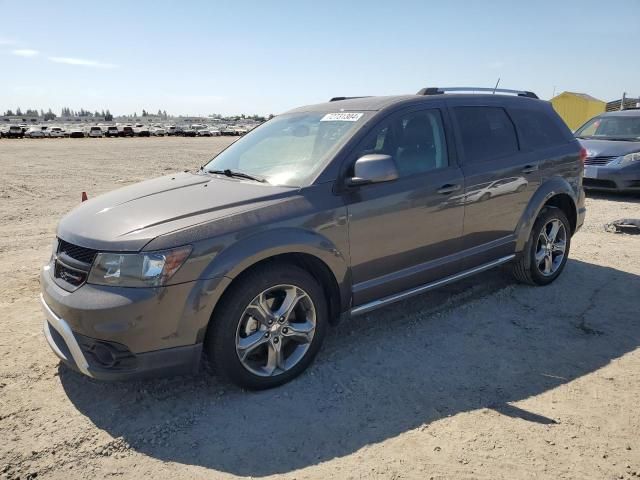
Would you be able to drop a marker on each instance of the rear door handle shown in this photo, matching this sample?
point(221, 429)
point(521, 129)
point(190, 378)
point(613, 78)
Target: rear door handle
point(448, 188)
point(530, 168)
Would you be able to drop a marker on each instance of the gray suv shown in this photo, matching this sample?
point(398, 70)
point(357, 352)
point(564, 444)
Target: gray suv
point(322, 212)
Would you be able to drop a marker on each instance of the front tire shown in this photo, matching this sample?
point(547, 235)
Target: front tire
point(546, 252)
point(269, 327)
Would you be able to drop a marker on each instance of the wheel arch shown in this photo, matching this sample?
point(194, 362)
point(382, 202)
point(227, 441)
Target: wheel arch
point(555, 192)
point(308, 250)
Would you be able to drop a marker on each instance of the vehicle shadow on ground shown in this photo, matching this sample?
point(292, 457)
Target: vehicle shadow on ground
point(482, 343)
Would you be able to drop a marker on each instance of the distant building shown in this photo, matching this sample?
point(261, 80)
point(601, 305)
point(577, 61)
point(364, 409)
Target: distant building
point(576, 108)
point(628, 103)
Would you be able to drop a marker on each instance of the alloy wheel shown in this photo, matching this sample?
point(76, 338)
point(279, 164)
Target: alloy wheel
point(275, 330)
point(551, 247)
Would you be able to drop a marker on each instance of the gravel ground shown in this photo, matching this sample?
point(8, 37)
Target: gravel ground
point(482, 379)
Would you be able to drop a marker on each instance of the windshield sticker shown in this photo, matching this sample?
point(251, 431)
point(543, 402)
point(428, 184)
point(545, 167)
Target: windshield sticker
point(341, 117)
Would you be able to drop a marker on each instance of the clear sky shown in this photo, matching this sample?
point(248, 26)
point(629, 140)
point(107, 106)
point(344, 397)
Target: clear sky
point(244, 56)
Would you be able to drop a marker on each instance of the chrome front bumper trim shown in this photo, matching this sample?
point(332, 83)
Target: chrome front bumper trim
point(62, 327)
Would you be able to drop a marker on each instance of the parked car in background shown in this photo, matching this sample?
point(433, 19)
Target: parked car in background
point(95, 132)
point(204, 132)
point(325, 211)
point(14, 132)
point(188, 132)
point(171, 130)
point(612, 141)
point(126, 131)
point(158, 131)
point(77, 132)
point(201, 130)
point(228, 131)
point(56, 132)
point(142, 131)
point(34, 132)
point(111, 131)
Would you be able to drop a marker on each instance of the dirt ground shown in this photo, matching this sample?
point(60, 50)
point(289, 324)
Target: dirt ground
point(482, 379)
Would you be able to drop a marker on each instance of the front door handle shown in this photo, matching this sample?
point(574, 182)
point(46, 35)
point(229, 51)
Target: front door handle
point(448, 188)
point(530, 168)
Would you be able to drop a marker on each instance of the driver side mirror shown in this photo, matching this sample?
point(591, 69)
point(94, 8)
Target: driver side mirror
point(373, 168)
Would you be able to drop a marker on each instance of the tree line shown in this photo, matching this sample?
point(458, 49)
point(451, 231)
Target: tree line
point(108, 116)
point(65, 112)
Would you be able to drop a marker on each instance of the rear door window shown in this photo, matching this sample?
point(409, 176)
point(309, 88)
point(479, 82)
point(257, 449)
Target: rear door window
point(536, 129)
point(487, 133)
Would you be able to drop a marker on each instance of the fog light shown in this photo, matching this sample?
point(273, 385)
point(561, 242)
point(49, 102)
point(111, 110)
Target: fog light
point(104, 355)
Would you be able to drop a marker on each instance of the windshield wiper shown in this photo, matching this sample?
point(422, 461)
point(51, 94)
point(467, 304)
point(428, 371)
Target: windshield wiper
point(234, 173)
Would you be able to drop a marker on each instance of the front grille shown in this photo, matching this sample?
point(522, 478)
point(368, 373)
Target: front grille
point(597, 160)
point(70, 275)
point(82, 254)
point(72, 264)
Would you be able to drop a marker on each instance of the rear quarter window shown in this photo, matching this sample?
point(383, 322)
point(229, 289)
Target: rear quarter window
point(487, 133)
point(537, 129)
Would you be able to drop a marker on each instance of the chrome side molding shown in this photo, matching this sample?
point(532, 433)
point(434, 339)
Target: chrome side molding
point(367, 307)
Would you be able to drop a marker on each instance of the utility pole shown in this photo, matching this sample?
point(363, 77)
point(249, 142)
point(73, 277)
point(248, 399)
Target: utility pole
point(624, 94)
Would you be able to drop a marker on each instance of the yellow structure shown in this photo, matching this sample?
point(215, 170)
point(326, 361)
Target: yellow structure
point(576, 108)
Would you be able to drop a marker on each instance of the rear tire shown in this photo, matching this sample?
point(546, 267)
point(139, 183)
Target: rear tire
point(547, 250)
point(252, 321)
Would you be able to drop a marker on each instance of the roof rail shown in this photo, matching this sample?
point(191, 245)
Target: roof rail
point(337, 99)
point(441, 90)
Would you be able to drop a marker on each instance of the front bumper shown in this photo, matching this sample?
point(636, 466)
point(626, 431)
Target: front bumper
point(611, 178)
point(65, 344)
point(114, 333)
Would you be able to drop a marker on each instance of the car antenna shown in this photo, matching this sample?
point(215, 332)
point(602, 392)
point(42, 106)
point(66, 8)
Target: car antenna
point(496, 87)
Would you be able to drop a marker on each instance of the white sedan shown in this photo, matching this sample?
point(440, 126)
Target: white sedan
point(34, 132)
point(56, 132)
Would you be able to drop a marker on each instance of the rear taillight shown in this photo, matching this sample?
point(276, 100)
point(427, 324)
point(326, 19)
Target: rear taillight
point(583, 154)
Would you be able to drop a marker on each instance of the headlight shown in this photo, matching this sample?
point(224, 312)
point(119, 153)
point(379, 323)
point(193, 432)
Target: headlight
point(630, 158)
point(150, 269)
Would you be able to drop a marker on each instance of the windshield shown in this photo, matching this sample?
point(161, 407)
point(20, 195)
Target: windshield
point(611, 128)
point(289, 149)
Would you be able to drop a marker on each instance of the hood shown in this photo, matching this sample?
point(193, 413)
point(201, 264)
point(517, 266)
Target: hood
point(609, 148)
point(128, 218)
